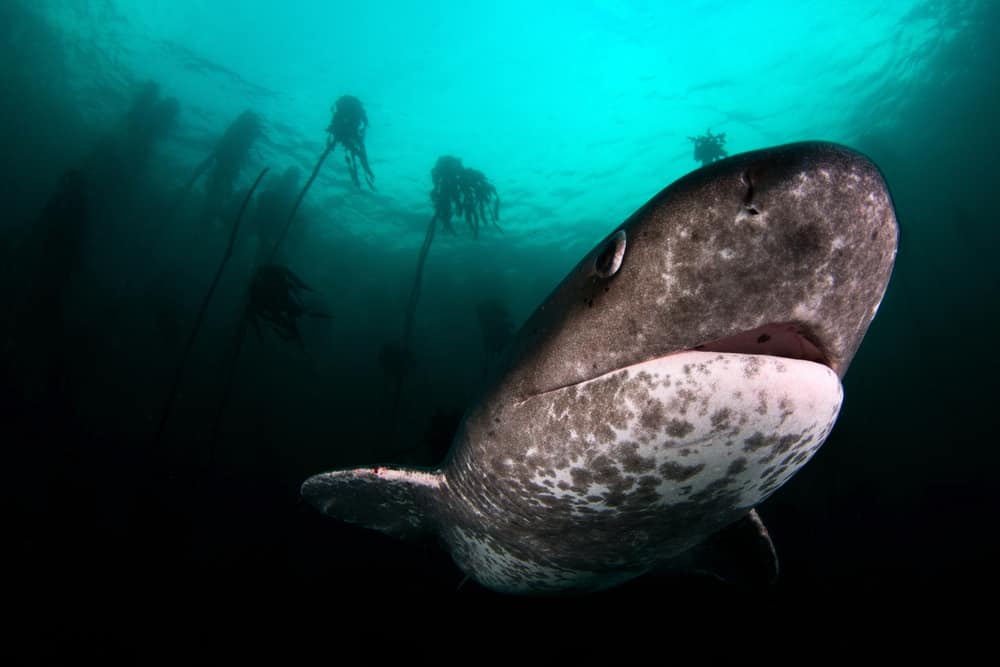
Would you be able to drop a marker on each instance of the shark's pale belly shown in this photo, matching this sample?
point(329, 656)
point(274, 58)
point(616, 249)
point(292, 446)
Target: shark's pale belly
point(613, 475)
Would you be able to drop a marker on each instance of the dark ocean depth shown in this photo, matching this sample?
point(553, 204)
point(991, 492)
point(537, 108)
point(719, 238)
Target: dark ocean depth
point(132, 134)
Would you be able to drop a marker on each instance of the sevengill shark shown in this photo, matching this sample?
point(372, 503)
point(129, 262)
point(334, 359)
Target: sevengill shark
point(682, 372)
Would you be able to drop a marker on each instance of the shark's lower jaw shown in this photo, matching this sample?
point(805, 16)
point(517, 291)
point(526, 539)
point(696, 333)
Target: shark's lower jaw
point(785, 339)
point(647, 455)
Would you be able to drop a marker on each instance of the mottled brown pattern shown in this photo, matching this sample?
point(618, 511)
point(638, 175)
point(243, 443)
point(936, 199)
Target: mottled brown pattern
point(758, 441)
point(627, 454)
point(736, 467)
point(678, 428)
point(679, 473)
point(720, 419)
point(557, 482)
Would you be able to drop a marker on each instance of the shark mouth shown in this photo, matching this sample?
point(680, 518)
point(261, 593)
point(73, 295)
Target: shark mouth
point(787, 340)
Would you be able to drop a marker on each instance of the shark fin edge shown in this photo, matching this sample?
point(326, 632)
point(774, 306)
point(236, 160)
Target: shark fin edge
point(741, 554)
point(400, 502)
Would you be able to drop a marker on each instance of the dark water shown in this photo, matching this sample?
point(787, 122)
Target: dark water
point(105, 258)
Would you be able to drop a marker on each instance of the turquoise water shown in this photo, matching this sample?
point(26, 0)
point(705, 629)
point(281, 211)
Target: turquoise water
point(578, 113)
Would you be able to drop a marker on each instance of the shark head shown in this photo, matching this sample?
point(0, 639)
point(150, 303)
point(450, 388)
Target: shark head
point(790, 246)
point(685, 368)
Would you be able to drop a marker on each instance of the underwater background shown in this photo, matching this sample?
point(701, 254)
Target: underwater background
point(126, 157)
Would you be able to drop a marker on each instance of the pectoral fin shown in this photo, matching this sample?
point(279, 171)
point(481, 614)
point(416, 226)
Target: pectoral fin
point(741, 554)
point(400, 502)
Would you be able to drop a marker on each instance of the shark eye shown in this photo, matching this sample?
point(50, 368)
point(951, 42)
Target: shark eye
point(610, 259)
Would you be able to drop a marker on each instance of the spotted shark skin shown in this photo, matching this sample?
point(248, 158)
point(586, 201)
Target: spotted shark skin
point(625, 429)
point(650, 456)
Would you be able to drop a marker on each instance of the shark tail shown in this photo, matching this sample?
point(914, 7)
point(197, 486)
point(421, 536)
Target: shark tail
point(400, 502)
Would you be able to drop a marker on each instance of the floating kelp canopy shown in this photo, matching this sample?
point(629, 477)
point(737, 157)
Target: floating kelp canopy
point(223, 165)
point(347, 127)
point(456, 190)
point(709, 147)
point(465, 192)
point(275, 297)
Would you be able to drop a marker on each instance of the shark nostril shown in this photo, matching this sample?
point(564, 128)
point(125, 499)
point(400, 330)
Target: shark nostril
point(748, 204)
point(610, 259)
